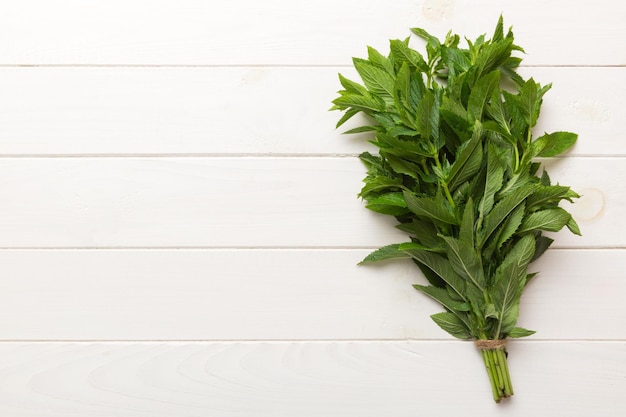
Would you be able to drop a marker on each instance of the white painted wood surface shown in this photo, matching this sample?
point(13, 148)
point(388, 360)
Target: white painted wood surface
point(179, 225)
point(191, 110)
point(313, 379)
point(277, 294)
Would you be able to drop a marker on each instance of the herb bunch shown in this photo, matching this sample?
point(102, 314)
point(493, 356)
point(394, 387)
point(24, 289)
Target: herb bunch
point(456, 168)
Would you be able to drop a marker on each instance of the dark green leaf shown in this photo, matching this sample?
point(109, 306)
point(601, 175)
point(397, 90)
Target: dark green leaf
point(442, 297)
point(547, 194)
point(542, 243)
point(424, 231)
point(551, 220)
point(465, 261)
point(481, 93)
point(402, 166)
point(439, 265)
point(466, 231)
point(428, 116)
point(511, 225)
point(493, 181)
point(468, 160)
point(431, 208)
point(502, 210)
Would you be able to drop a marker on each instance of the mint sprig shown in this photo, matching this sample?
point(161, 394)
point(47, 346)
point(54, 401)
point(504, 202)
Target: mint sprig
point(456, 168)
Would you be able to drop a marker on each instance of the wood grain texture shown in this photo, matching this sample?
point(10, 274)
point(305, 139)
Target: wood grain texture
point(324, 32)
point(305, 379)
point(253, 110)
point(277, 295)
point(241, 202)
point(179, 225)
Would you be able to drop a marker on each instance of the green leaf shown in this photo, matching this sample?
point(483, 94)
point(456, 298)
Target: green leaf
point(530, 97)
point(517, 332)
point(521, 253)
point(454, 114)
point(505, 295)
point(452, 324)
point(439, 265)
point(495, 109)
point(385, 253)
point(361, 103)
point(556, 143)
point(403, 54)
point(431, 208)
point(380, 61)
point(550, 220)
point(499, 31)
point(481, 93)
point(379, 184)
point(547, 194)
point(402, 92)
point(493, 182)
point(466, 231)
point(377, 80)
point(573, 226)
point(428, 116)
point(352, 87)
point(424, 231)
point(493, 55)
point(402, 166)
point(360, 129)
point(489, 311)
point(502, 210)
point(442, 297)
point(542, 243)
point(347, 116)
point(465, 261)
point(468, 160)
point(511, 225)
point(391, 203)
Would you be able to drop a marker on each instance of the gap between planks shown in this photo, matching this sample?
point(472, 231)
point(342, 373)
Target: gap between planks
point(251, 65)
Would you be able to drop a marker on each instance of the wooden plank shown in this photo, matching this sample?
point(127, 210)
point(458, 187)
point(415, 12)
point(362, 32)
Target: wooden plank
point(240, 202)
point(277, 295)
point(253, 110)
point(305, 379)
point(324, 32)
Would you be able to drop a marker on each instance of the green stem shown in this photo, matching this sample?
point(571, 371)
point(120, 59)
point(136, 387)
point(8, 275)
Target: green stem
point(443, 183)
point(507, 376)
point(448, 195)
point(498, 372)
point(497, 365)
point(492, 379)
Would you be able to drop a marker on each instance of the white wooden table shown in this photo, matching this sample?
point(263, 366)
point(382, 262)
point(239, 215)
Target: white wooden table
point(179, 225)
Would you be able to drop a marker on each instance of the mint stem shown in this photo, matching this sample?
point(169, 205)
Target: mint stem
point(498, 371)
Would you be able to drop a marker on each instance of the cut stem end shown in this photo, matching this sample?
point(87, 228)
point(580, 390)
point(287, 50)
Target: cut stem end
point(495, 359)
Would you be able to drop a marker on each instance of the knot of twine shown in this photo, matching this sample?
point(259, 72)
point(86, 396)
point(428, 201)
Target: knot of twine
point(489, 344)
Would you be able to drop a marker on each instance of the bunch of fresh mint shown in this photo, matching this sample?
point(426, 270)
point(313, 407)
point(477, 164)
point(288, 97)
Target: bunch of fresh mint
point(456, 169)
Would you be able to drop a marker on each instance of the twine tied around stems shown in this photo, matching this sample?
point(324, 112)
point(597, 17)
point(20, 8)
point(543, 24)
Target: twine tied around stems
point(493, 344)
